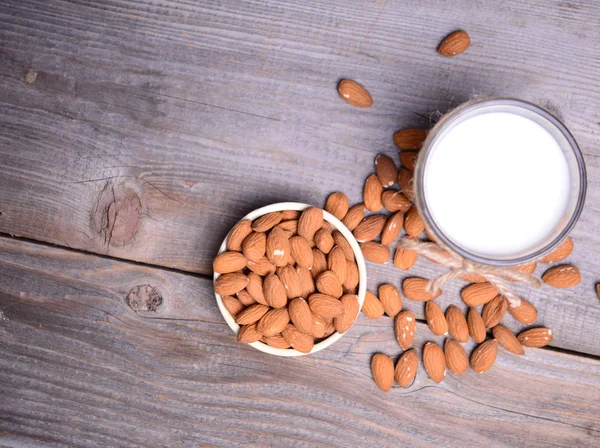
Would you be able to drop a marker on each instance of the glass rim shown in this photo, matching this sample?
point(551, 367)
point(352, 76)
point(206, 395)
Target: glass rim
point(450, 118)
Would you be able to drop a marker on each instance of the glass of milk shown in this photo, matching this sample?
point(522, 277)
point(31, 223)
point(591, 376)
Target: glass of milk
point(500, 181)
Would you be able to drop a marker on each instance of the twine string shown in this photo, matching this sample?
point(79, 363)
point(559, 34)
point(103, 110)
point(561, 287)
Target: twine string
point(496, 275)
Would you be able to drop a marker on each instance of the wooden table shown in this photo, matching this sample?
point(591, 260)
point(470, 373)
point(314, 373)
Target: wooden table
point(135, 133)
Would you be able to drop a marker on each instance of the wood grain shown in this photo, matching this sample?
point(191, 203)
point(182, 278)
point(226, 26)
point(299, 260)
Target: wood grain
point(80, 367)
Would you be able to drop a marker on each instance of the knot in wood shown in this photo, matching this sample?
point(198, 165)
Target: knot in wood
point(116, 217)
point(144, 298)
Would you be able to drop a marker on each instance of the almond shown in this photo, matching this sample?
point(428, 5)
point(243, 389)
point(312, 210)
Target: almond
point(327, 226)
point(494, 311)
point(386, 170)
point(309, 222)
point(248, 334)
point(337, 205)
point(302, 342)
point(319, 263)
point(278, 247)
point(343, 322)
point(564, 276)
point(354, 216)
point(343, 243)
point(406, 183)
point(233, 305)
point(255, 288)
point(300, 315)
point(457, 324)
point(473, 278)
point(524, 313)
point(291, 282)
point(328, 283)
point(478, 293)
point(434, 361)
point(352, 277)
point(405, 258)
point(336, 262)
point(562, 251)
point(394, 201)
point(273, 322)
point(245, 298)
point(372, 307)
point(228, 262)
point(413, 224)
point(266, 222)
point(454, 43)
point(369, 228)
point(301, 252)
point(598, 290)
point(406, 368)
point(354, 94)
point(251, 314)
point(391, 300)
point(484, 356)
point(324, 240)
point(507, 339)
point(456, 358)
point(318, 328)
point(375, 252)
point(372, 193)
point(287, 215)
point(274, 291)
point(392, 228)
point(229, 284)
point(289, 226)
point(476, 325)
point(528, 268)
point(382, 369)
point(535, 337)
point(436, 319)
point(410, 138)
point(438, 252)
point(414, 288)
point(405, 326)
point(307, 284)
point(261, 267)
point(277, 341)
point(325, 306)
point(254, 246)
point(408, 159)
point(237, 235)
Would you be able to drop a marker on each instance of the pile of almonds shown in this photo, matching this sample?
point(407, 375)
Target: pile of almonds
point(289, 278)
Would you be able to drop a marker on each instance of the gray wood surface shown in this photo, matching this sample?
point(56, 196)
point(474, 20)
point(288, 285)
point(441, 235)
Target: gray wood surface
point(79, 367)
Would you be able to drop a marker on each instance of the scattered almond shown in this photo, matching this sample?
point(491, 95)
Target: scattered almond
point(562, 251)
point(391, 300)
point(372, 193)
point(405, 327)
point(457, 324)
point(478, 293)
point(369, 228)
point(343, 322)
point(248, 334)
point(354, 94)
point(406, 368)
point(507, 339)
point(336, 262)
point(524, 313)
point(233, 305)
point(414, 288)
point(434, 361)
point(325, 306)
point(484, 355)
point(454, 43)
point(273, 322)
point(436, 319)
point(254, 246)
point(375, 252)
point(564, 276)
point(237, 235)
point(229, 284)
point(394, 201)
point(382, 369)
point(352, 277)
point(354, 216)
point(309, 222)
point(274, 291)
point(291, 282)
point(392, 228)
point(386, 170)
point(324, 240)
point(251, 314)
point(456, 358)
point(476, 325)
point(343, 243)
point(337, 205)
point(301, 251)
point(408, 159)
point(372, 307)
point(473, 278)
point(228, 262)
point(302, 342)
point(405, 258)
point(535, 337)
point(267, 222)
point(406, 183)
point(319, 263)
point(410, 138)
point(261, 267)
point(413, 224)
point(328, 283)
point(494, 311)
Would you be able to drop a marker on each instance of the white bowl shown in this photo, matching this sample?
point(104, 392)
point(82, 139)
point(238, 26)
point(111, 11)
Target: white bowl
point(360, 261)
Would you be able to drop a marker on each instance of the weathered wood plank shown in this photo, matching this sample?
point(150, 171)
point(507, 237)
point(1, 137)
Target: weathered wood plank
point(79, 367)
point(145, 130)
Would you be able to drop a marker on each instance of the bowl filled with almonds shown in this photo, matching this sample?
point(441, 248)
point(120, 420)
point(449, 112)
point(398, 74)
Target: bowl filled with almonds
point(289, 279)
